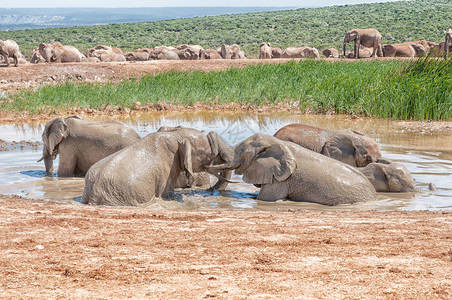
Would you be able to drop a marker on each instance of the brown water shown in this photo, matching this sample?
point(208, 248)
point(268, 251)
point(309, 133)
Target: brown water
point(426, 153)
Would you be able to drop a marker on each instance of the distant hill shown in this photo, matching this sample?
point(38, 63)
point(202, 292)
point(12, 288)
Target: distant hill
point(34, 18)
point(317, 27)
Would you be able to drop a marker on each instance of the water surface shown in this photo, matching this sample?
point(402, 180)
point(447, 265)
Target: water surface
point(426, 153)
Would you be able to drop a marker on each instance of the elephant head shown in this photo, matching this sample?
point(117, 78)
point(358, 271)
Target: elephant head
point(222, 153)
point(389, 177)
point(352, 147)
point(448, 42)
point(350, 36)
point(54, 132)
point(230, 52)
point(261, 160)
point(51, 52)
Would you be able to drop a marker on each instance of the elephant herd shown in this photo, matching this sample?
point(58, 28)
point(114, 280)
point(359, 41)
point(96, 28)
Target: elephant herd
point(58, 53)
point(299, 163)
point(367, 43)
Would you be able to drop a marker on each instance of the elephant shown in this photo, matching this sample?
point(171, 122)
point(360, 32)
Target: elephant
point(147, 169)
point(81, 143)
point(276, 52)
point(419, 49)
point(137, 56)
point(187, 54)
point(9, 48)
point(399, 50)
point(300, 52)
point(265, 51)
point(163, 54)
point(391, 177)
point(194, 50)
point(231, 52)
point(210, 54)
point(364, 52)
point(221, 151)
point(106, 53)
point(283, 169)
point(56, 52)
point(448, 43)
point(330, 53)
point(369, 37)
point(427, 44)
point(348, 146)
point(36, 57)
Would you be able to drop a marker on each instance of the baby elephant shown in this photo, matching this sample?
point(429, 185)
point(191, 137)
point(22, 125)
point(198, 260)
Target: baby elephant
point(348, 146)
point(392, 177)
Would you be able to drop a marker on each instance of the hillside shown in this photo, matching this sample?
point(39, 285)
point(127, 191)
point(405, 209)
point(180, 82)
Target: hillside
point(318, 27)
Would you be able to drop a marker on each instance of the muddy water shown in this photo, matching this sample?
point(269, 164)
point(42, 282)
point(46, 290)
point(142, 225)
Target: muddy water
point(426, 152)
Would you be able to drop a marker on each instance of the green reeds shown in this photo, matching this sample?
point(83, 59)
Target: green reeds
point(411, 89)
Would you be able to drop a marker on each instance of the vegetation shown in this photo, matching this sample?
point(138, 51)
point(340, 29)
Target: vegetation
point(420, 89)
point(317, 27)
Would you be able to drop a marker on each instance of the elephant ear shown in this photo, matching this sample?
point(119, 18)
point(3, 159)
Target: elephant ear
point(186, 149)
point(341, 148)
point(53, 134)
point(270, 162)
point(57, 51)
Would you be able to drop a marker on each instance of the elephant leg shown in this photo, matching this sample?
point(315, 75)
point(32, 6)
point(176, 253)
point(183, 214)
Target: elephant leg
point(272, 192)
point(5, 57)
point(357, 44)
point(66, 166)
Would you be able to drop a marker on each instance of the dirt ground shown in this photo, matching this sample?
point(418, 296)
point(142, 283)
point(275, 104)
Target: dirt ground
point(53, 250)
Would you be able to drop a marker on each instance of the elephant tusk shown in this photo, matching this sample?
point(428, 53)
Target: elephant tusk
point(42, 157)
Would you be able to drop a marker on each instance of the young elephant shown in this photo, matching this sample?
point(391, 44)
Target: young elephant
point(9, 48)
point(389, 177)
point(285, 170)
point(147, 169)
point(350, 147)
point(81, 143)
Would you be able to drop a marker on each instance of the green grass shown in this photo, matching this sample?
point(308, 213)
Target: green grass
point(420, 89)
point(322, 27)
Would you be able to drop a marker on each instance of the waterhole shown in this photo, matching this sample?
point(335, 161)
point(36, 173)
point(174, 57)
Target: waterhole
point(424, 148)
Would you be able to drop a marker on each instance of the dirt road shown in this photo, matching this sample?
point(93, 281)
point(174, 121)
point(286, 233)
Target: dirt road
point(52, 250)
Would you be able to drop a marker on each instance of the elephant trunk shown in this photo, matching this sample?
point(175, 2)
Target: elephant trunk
point(226, 166)
point(344, 47)
point(48, 162)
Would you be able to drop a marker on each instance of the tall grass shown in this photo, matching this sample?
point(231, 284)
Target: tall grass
point(418, 89)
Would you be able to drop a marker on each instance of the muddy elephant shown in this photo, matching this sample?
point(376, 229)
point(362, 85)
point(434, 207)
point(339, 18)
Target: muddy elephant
point(147, 169)
point(193, 50)
point(137, 56)
point(222, 153)
point(231, 52)
point(348, 146)
point(265, 51)
point(210, 54)
point(56, 52)
point(36, 57)
point(399, 50)
point(364, 52)
point(448, 43)
point(283, 169)
point(300, 52)
point(330, 53)
point(106, 53)
point(391, 177)
point(9, 48)
point(276, 52)
point(81, 143)
point(163, 54)
point(369, 37)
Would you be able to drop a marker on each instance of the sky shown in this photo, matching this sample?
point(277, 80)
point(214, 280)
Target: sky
point(176, 3)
